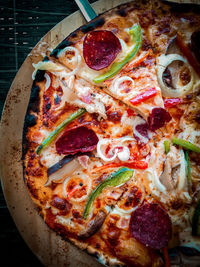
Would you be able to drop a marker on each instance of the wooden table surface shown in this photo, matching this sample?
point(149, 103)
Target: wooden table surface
point(22, 24)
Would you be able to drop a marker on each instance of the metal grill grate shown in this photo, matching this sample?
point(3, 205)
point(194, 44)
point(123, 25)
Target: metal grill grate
point(22, 24)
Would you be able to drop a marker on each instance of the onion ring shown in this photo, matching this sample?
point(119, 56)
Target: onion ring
point(163, 62)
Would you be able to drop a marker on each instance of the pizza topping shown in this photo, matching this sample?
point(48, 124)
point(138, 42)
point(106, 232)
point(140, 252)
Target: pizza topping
point(61, 204)
point(114, 148)
point(47, 141)
point(174, 172)
point(75, 97)
point(171, 102)
point(63, 168)
point(136, 37)
point(60, 164)
point(121, 86)
point(100, 48)
point(138, 61)
point(124, 154)
point(48, 81)
point(83, 160)
point(140, 130)
point(180, 88)
point(149, 93)
point(158, 118)
point(77, 139)
point(151, 225)
point(188, 164)
point(133, 164)
point(116, 179)
point(77, 188)
point(94, 225)
point(186, 144)
point(71, 55)
point(167, 146)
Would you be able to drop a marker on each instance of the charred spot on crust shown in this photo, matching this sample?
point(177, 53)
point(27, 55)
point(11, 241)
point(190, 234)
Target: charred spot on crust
point(32, 190)
point(61, 46)
point(34, 98)
point(39, 77)
point(93, 25)
point(74, 34)
point(122, 12)
point(30, 120)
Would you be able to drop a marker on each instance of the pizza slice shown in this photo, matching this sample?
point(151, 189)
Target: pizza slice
point(114, 55)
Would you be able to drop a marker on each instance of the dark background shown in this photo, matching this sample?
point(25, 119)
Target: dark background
point(22, 24)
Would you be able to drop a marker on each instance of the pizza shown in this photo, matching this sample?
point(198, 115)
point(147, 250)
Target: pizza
point(111, 134)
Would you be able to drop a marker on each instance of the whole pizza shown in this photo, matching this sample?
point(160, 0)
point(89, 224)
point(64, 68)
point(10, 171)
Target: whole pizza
point(111, 135)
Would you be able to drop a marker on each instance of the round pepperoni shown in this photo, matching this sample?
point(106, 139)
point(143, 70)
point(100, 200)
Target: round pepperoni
point(100, 48)
point(151, 225)
point(77, 139)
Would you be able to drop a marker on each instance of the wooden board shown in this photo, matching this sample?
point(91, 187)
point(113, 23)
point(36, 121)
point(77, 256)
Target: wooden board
point(45, 244)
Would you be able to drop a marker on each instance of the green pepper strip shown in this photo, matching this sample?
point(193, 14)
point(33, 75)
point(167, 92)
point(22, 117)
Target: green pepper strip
point(196, 220)
point(117, 178)
point(136, 36)
point(59, 128)
point(188, 171)
point(167, 146)
point(185, 144)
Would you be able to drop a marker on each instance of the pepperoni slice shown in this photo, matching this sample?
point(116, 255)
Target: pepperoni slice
point(151, 225)
point(158, 118)
point(100, 48)
point(77, 139)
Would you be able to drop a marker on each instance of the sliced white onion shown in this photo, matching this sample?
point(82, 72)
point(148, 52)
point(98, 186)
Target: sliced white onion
point(100, 154)
point(48, 81)
point(182, 172)
point(46, 65)
point(123, 52)
point(119, 141)
point(125, 138)
point(115, 86)
point(88, 183)
point(153, 177)
point(70, 49)
point(137, 121)
point(125, 211)
point(163, 62)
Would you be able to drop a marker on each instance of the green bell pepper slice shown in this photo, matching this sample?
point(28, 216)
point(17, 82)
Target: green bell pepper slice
point(117, 178)
point(185, 144)
point(167, 146)
point(59, 128)
point(196, 220)
point(136, 37)
point(188, 171)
